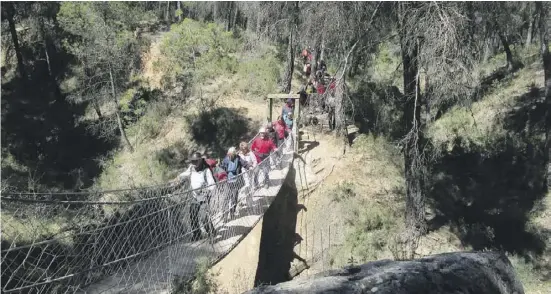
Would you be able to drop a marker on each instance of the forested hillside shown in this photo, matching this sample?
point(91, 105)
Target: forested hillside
point(452, 101)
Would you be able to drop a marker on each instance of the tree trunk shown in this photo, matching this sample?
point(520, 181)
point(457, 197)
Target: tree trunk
point(427, 95)
point(339, 122)
point(286, 88)
point(179, 7)
point(48, 43)
point(317, 53)
point(45, 43)
point(10, 14)
point(546, 56)
point(160, 7)
point(508, 53)
point(414, 167)
point(48, 59)
point(530, 27)
point(322, 47)
point(117, 111)
point(228, 16)
point(167, 13)
point(215, 11)
point(235, 15)
point(487, 51)
point(258, 24)
point(95, 104)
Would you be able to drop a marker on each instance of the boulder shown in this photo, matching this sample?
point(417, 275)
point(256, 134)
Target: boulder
point(457, 273)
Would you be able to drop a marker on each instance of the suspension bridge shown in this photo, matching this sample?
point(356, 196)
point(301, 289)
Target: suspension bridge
point(128, 241)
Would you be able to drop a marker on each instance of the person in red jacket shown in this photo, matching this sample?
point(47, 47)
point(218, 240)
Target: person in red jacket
point(320, 87)
point(262, 147)
point(306, 55)
point(282, 130)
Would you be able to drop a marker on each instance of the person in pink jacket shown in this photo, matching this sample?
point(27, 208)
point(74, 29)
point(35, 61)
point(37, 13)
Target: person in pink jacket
point(282, 130)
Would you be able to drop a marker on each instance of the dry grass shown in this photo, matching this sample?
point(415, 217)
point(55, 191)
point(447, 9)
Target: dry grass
point(354, 195)
point(150, 71)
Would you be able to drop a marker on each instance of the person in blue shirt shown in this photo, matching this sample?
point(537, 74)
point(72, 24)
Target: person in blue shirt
point(288, 107)
point(233, 164)
point(288, 118)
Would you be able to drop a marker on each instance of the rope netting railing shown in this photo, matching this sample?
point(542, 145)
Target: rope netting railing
point(134, 240)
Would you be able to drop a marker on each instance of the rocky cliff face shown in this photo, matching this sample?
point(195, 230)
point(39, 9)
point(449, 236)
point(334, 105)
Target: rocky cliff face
point(457, 273)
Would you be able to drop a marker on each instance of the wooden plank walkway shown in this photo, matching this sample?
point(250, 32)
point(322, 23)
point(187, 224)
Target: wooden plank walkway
point(155, 273)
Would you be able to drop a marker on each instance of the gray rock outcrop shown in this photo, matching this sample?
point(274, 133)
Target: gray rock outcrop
point(457, 273)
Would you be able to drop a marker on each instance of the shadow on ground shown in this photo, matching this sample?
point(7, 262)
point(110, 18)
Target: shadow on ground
point(278, 235)
point(305, 146)
point(220, 128)
point(39, 130)
point(488, 199)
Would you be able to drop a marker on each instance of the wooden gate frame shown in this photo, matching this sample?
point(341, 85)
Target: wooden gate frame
point(296, 113)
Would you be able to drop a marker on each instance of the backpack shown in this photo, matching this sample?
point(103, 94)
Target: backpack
point(218, 173)
point(234, 168)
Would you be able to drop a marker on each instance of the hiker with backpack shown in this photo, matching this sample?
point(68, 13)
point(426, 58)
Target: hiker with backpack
point(306, 55)
point(232, 164)
point(288, 119)
point(219, 173)
point(281, 129)
point(307, 70)
point(288, 107)
point(271, 133)
point(282, 132)
point(320, 87)
point(202, 184)
point(262, 147)
point(322, 66)
point(248, 158)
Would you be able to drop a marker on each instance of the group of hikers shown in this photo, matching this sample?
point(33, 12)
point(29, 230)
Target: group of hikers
point(316, 84)
point(204, 172)
point(319, 90)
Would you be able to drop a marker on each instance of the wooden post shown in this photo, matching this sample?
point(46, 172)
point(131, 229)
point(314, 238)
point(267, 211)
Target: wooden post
point(296, 123)
point(269, 106)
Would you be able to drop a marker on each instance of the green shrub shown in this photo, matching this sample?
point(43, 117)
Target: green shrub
point(371, 225)
point(130, 170)
point(377, 107)
point(219, 128)
point(203, 282)
point(135, 101)
point(195, 52)
point(258, 71)
point(151, 122)
point(386, 65)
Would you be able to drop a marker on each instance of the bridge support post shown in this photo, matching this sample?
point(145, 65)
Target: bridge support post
point(269, 104)
point(296, 125)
